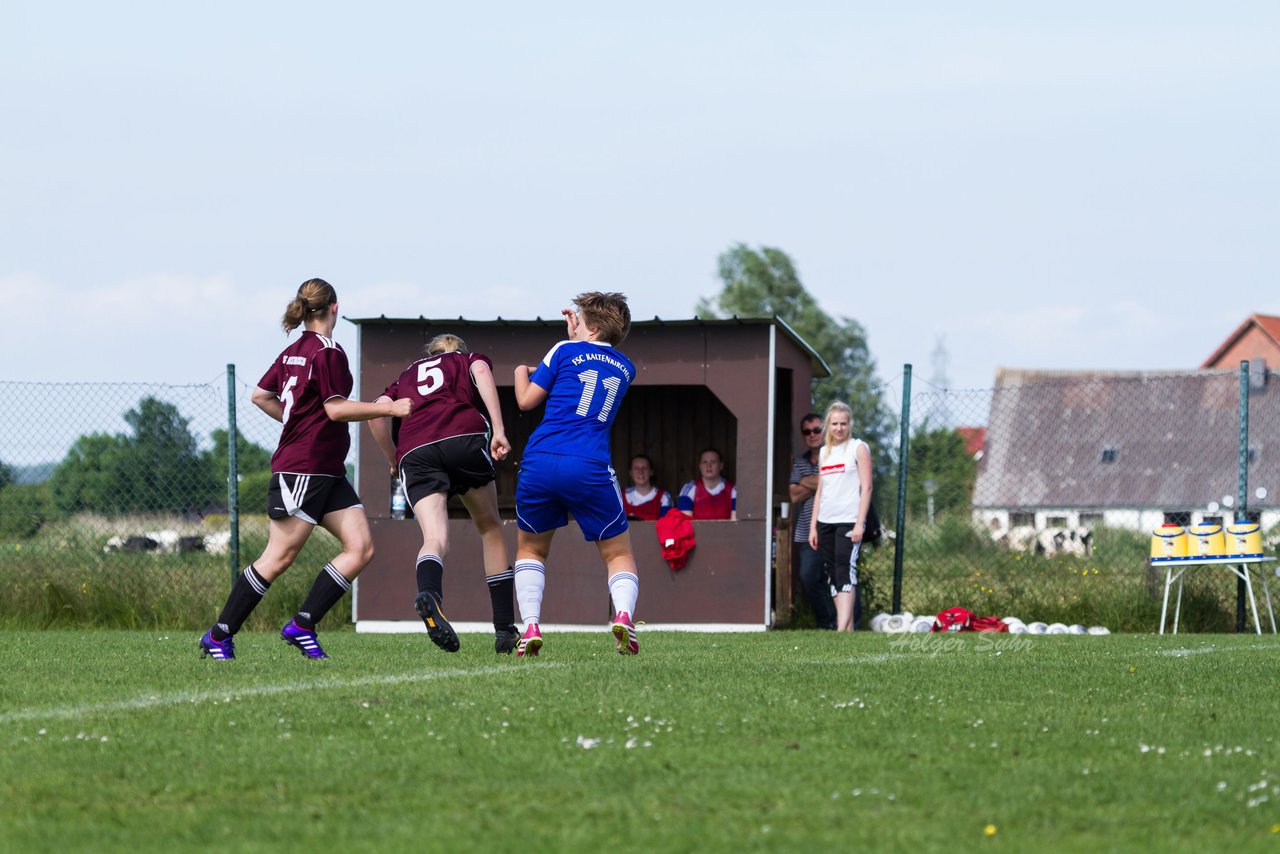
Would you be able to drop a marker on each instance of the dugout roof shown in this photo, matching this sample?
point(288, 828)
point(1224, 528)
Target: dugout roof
point(820, 368)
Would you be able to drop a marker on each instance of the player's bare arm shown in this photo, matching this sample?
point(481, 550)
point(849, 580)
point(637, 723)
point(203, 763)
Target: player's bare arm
point(863, 456)
point(529, 395)
point(499, 447)
point(269, 403)
point(341, 409)
point(813, 520)
point(381, 430)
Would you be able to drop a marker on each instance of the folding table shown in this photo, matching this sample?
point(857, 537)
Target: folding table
point(1239, 566)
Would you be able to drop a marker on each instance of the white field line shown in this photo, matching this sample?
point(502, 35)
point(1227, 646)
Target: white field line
point(875, 658)
point(1201, 650)
point(222, 695)
point(923, 651)
point(1183, 653)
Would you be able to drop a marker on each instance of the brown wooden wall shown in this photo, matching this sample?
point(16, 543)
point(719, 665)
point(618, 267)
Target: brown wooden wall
point(696, 386)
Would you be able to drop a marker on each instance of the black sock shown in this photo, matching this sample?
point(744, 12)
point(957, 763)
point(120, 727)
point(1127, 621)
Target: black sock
point(246, 593)
point(325, 593)
point(502, 588)
point(431, 575)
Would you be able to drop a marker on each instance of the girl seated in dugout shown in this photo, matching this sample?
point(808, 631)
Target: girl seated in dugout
point(710, 495)
point(645, 500)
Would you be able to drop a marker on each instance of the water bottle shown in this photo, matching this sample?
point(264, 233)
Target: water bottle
point(399, 503)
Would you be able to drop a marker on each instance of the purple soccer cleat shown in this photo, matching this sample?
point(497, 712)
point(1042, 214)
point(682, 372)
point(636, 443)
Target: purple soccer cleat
point(303, 639)
point(217, 650)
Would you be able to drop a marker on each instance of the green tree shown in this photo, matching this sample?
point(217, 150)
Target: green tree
point(174, 475)
point(253, 463)
point(250, 458)
point(24, 508)
point(763, 283)
point(6, 474)
point(157, 468)
point(96, 474)
point(940, 456)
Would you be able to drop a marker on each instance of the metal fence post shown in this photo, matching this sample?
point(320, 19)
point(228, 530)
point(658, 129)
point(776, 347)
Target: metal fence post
point(1242, 499)
point(904, 443)
point(233, 475)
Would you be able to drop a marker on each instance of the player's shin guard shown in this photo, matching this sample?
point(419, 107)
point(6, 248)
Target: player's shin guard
point(246, 593)
point(430, 572)
point(329, 587)
point(501, 587)
point(530, 580)
point(624, 589)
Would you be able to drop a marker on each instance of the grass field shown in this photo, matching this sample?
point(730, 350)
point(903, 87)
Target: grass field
point(126, 741)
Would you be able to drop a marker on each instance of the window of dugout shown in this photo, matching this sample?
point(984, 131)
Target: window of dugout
point(672, 425)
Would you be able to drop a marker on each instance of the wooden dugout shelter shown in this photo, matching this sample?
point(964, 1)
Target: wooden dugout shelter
point(738, 385)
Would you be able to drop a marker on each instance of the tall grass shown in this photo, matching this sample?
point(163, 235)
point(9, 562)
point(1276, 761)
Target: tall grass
point(63, 577)
point(953, 564)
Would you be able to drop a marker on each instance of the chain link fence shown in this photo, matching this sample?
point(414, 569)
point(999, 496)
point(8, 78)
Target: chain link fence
point(114, 504)
point(1035, 498)
point(1038, 498)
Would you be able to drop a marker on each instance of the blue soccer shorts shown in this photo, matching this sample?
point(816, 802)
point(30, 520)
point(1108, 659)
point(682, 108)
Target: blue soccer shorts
point(552, 487)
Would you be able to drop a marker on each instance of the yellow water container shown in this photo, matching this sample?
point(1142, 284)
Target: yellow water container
point(1169, 541)
point(1207, 541)
point(1244, 538)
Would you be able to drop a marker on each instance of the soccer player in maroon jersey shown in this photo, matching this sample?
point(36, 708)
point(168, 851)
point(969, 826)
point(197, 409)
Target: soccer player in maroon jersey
point(443, 449)
point(306, 390)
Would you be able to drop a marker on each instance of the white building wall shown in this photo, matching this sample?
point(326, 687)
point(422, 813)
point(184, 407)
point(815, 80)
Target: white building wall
point(1135, 519)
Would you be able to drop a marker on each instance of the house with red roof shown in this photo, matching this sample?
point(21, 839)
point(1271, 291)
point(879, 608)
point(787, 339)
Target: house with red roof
point(1134, 449)
point(974, 438)
point(1257, 340)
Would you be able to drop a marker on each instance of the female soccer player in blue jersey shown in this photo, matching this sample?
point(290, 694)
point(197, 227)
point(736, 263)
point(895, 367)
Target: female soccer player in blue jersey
point(306, 390)
point(566, 468)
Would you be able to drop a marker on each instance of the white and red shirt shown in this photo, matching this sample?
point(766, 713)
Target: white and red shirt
point(841, 499)
point(651, 505)
point(719, 502)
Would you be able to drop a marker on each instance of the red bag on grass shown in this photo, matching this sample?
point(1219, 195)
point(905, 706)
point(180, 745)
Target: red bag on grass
point(988, 624)
point(954, 620)
point(964, 620)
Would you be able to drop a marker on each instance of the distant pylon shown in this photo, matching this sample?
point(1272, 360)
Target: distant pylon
point(940, 412)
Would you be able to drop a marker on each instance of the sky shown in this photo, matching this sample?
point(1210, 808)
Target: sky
point(1085, 185)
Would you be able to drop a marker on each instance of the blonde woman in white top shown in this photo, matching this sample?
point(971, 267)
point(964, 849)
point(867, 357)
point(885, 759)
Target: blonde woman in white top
point(840, 509)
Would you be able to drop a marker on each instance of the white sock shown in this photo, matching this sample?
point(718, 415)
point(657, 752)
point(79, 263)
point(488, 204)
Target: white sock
point(530, 578)
point(624, 589)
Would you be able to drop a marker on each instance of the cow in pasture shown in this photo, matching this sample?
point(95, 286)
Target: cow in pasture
point(1048, 541)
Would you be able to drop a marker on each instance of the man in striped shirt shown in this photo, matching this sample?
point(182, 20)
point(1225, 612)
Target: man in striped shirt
point(804, 483)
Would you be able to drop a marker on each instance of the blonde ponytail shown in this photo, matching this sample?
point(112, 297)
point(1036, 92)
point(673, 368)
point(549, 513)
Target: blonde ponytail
point(314, 297)
point(446, 343)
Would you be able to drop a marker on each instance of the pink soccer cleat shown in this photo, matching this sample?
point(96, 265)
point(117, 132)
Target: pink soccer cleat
point(530, 642)
point(624, 632)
